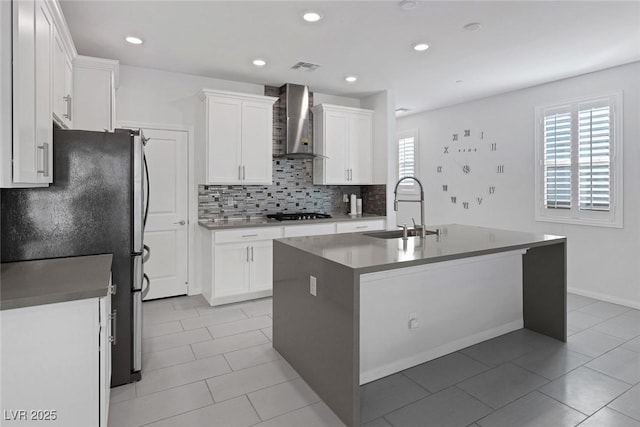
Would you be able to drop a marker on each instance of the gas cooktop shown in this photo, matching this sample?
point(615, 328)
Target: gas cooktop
point(281, 216)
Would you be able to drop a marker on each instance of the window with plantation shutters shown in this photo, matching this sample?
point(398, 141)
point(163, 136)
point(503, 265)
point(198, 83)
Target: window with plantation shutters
point(579, 155)
point(407, 156)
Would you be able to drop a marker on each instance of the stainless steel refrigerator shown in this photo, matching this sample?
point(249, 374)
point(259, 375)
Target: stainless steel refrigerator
point(96, 204)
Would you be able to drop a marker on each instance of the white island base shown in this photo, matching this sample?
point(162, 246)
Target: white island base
point(412, 315)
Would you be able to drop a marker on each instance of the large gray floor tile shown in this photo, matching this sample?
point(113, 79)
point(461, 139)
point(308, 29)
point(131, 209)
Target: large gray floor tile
point(168, 357)
point(448, 408)
point(162, 316)
point(591, 343)
point(246, 325)
point(606, 417)
point(387, 394)
point(585, 390)
point(189, 302)
point(252, 356)
point(236, 412)
point(533, 410)
point(157, 406)
point(236, 383)
point(604, 310)
point(445, 371)
point(268, 332)
point(175, 340)
point(214, 318)
point(628, 403)
point(553, 363)
point(620, 364)
point(282, 398)
point(228, 344)
point(502, 385)
point(122, 393)
point(261, 307)
point(633, 345)
point(156, 329)
point(579, 321)
point(316, 415)
point(185, 373)
point(633, 314)
point(501, 349)
point(158, 305)
point(575, 301)
point(622, 327)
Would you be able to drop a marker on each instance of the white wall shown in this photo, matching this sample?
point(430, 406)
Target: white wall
point(602, 262)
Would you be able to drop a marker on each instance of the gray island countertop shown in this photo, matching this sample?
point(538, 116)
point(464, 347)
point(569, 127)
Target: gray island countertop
point(367, 254)
point(48, 281)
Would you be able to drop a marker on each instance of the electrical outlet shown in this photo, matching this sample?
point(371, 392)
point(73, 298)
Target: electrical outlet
point(312, 285)
point(414, 322)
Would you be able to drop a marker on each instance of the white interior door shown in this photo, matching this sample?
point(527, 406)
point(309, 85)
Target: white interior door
point(166, 232)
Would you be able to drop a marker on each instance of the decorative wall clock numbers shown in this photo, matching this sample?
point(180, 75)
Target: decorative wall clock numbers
point(470, 168)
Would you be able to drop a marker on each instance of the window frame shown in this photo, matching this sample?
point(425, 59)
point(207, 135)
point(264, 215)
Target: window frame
point(413, 188)
point(574, 215)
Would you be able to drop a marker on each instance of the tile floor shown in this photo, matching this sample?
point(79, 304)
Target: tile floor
point(215, 366)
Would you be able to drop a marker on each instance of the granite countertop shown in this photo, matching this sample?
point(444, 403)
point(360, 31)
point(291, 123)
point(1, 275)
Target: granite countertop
point(368, 254)
point(268, 222)
point(48, 281)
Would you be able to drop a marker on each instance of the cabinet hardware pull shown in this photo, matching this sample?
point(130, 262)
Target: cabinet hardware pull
point(346, 172)
point(350, 174)
point(239, 172)
point(249, 235)
point(244, 175)
point(45, 159)
point(67, 99)
point(362, 226)
point(251, 253)
point(114, 323)
point(247, 253)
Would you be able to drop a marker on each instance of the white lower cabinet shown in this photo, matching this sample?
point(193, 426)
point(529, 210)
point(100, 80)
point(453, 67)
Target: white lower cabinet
point(56, 363)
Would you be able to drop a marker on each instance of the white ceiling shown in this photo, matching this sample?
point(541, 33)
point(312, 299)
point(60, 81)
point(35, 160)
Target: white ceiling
point(520, 43)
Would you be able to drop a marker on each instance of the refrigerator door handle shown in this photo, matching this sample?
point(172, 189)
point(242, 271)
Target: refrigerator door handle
point(146, 253)
point(145, 290)
point(137, 331)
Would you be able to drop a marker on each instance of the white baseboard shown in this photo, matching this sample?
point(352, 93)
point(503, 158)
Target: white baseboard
point(604, 297)
point(399, 365)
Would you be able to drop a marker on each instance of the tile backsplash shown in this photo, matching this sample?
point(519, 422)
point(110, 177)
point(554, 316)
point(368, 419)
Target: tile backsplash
point(292, 191)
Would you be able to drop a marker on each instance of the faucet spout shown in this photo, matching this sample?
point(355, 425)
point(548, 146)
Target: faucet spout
point(423, 229)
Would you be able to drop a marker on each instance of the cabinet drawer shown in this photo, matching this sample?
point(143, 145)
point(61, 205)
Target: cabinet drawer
point(309, 230)
point(355, 226)
point(247, 234)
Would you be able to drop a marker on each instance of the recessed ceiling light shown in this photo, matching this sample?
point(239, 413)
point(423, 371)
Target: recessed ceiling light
point(408, 4)
point(472, 26)
point(259, 62)
point(133, 40)
point(311, 16)
point(420, 47)
point(351, 79)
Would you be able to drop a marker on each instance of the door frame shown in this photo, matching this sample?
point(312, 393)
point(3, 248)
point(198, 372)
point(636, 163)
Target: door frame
point(193, 287)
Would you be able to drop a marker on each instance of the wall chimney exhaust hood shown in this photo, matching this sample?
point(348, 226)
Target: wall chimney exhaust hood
point(298, 144)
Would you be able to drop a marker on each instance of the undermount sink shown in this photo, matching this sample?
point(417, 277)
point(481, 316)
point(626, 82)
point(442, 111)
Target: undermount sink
point(397, 234)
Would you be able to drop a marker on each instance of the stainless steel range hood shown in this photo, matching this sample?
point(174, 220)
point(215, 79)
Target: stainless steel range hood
point(298, 133)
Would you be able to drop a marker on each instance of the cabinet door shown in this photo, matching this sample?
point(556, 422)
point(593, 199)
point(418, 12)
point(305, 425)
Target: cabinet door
point(336, 137)
point(105, 358)
point(94, 108)
point(60, 85)
point(43, 61)
point(224, 140)
point(231, 269)
point(257, 142)
point(261, 265)
point(360, 149)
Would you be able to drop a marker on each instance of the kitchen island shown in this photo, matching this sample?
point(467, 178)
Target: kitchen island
point(351, 308)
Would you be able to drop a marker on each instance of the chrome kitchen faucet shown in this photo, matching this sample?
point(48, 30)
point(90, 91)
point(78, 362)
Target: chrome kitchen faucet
point(423, 229)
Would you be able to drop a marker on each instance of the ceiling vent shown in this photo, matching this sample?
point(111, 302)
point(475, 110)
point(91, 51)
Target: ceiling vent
point(305, 66)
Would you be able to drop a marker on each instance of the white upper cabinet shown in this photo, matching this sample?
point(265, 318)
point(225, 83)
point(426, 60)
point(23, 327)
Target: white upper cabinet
point(62, 82)
point(32, 35)
point(344, 136)
point(237, 137)
point(95, 81)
